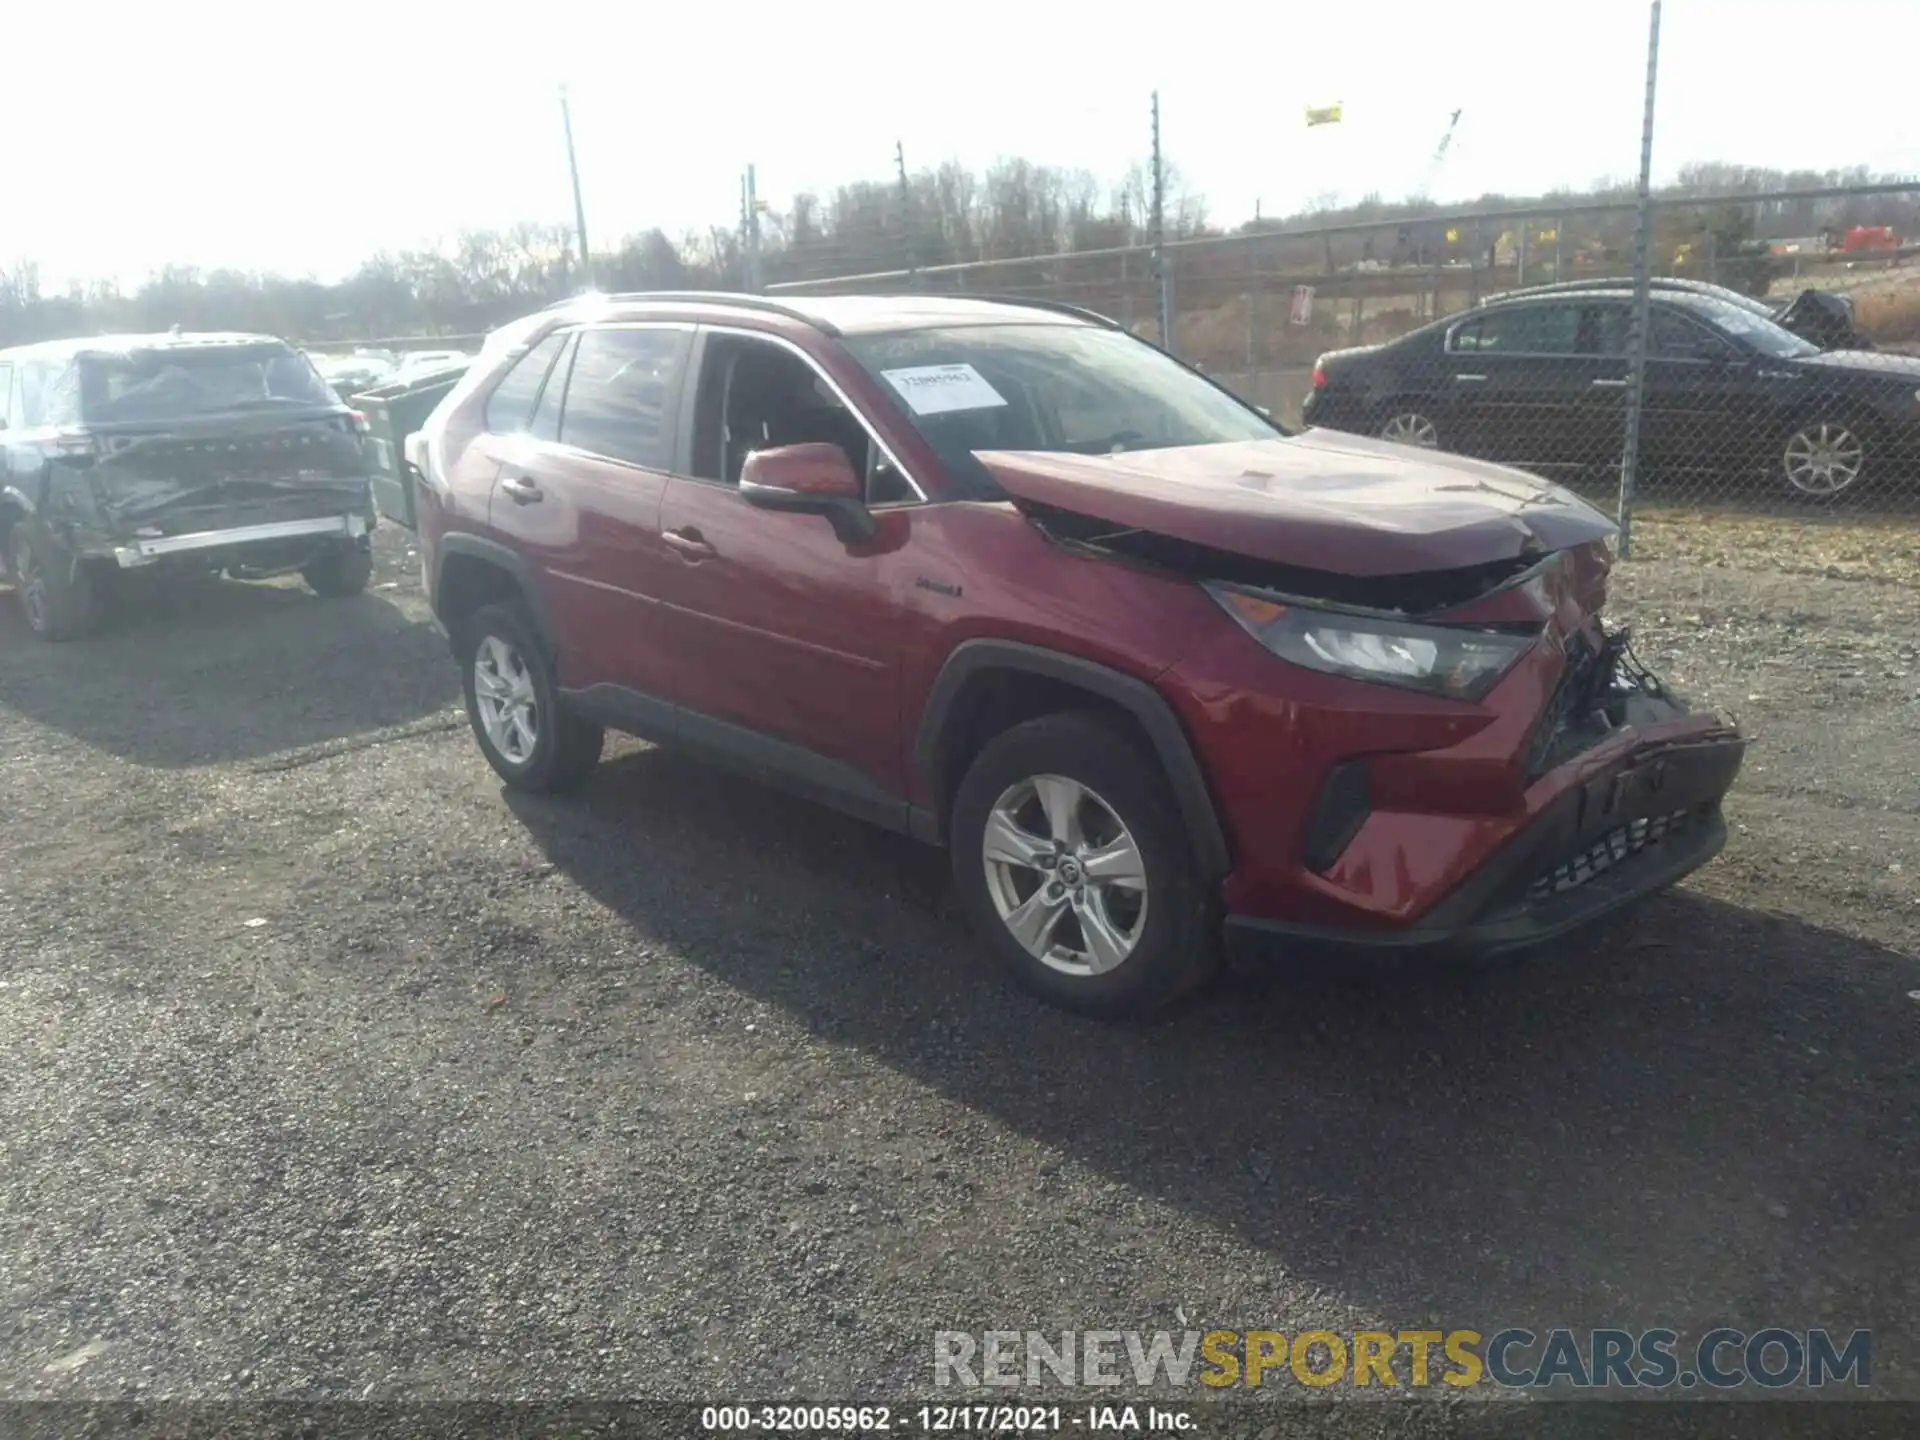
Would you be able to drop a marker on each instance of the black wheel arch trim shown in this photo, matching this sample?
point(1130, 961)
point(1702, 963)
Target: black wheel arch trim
point(516, 567)
point(1135, 696)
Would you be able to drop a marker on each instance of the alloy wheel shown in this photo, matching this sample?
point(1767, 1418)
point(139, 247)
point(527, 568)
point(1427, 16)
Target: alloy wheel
point(503, 692)
point(1411, 428)
point(1065, 875)
point(1823, 459)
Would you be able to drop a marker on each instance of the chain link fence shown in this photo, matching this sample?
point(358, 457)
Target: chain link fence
point(1782, 367)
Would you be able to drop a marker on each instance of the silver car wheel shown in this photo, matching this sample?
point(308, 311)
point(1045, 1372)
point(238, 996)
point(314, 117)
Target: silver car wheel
point(1065, 875)
point(504, 695)
point(1823, 459)
point(1411, 428)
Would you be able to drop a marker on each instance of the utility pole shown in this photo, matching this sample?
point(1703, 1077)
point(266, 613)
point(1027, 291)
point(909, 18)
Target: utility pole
point(1158, 224)
point(1642, 298)
point(906, 214)
point(579, 205)
point(750, 229)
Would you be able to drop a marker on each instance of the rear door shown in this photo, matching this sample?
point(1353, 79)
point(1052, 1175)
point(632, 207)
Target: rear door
point(578, 494)
point(1522, 390)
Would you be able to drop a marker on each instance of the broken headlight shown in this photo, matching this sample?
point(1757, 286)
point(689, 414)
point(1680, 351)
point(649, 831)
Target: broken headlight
point(1455, 661)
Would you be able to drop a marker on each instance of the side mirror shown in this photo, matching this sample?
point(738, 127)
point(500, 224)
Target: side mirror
point(810, 479)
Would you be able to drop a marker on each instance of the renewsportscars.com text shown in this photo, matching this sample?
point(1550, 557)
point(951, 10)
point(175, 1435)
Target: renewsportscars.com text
point(1772, 1358)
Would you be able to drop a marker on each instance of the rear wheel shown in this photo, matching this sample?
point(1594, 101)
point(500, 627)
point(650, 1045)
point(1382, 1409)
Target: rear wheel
point(1071, 861)
point(339, 571)
point(1408, 425)
point(57, 591)
point(514, 706)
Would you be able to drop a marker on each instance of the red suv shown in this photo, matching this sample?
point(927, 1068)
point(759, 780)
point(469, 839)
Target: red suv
point(1002, 577)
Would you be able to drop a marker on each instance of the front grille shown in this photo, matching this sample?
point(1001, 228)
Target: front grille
point(1621, 843)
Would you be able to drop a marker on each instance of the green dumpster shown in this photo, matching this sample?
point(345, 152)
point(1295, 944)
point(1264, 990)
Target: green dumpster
point(394, 411)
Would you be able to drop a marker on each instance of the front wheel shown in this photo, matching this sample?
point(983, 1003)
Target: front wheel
point(1070, 859)
point(1824, 458)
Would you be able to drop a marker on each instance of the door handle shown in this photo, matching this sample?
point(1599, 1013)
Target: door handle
point(521, 490)
point(1611, 384)
point(690, 543)
point(1469, 379)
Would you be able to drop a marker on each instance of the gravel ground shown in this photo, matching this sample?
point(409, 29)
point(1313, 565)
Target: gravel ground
point(330, 1070)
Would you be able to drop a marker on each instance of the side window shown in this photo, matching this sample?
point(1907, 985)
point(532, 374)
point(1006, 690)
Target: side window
point(1528, 330)
point(1610, 328)
point(617, 395)
point(510, 406)
point(1674, 337)
point(7, 417)
point(754, 394)
point(49, 394)
point(546, 416)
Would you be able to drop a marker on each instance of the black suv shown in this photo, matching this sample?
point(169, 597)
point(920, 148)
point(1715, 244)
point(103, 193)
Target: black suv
point(177, 451)
point(1541, 380)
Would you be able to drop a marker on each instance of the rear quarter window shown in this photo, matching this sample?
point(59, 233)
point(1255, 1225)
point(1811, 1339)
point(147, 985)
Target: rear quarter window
point(510, 406)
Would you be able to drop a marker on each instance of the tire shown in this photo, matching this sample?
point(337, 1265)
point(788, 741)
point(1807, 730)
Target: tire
point(59, 595)
point(499, 644)
point(339, 572)
point(1825, 457)
point(1407, 422)
point(1168, 948)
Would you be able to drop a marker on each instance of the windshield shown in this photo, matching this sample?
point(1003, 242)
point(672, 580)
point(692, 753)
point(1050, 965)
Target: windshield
point(1047, 387)
point(156, 384)
point(1759, 331)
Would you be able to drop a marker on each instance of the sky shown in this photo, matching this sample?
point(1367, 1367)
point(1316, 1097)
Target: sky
point(302, 139)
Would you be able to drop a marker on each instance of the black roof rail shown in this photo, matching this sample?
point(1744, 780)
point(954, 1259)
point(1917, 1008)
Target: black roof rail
point(705, 297)
point(1058, 306)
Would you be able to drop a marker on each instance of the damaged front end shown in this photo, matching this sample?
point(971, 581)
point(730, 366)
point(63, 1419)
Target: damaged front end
point(1505, 770)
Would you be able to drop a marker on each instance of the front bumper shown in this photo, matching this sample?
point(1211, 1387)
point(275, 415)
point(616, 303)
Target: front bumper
point(1643, 823)
point(147, 551)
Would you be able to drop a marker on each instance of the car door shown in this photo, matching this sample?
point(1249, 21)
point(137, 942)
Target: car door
point(785, 639)
point(578, 495)
point(1701, 409)
point(1522, 391)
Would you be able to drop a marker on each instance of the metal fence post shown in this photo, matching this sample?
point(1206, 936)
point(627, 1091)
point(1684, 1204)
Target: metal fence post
point(753, 232)
point(1642, 298)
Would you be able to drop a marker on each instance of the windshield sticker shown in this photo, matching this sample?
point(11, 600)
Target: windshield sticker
point(937, 389)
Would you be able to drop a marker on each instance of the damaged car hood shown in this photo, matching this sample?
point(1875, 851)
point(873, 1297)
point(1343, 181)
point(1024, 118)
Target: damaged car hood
point(1324, 500)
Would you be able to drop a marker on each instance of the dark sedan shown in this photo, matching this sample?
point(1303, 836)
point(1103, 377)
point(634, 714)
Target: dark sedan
point(1823, 316)
point(1542, 380)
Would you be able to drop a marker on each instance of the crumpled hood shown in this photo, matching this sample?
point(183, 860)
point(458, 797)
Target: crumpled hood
point(1324, 500)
